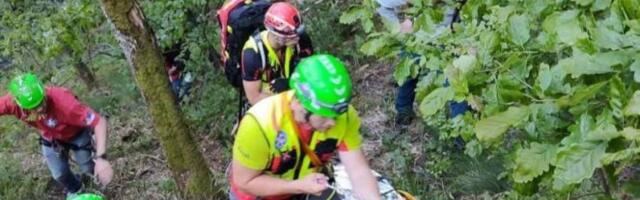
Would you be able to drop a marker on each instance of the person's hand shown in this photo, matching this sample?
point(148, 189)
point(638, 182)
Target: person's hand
point(103, 171)
point(406, 26)
point(313, 183)
point(279, 85)
point(173, 69)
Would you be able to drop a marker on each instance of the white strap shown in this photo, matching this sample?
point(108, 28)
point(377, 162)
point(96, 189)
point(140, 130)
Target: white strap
point(263, 57)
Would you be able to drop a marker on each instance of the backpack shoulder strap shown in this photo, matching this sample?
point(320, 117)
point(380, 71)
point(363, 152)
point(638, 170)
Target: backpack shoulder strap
point(263, 57)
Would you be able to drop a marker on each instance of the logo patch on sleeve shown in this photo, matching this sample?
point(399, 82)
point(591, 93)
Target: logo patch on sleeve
point(51, 122)
point(281, 140)
point(89, 118)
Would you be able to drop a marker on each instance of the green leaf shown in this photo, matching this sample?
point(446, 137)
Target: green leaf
point(607, 38)
point(473, 148)
point(519, 29)
point(585, 64)
point(502, 13)
point(492, 128)
point(612, 58)
point(489, 41)
point(458, 82)
point(434, 63)
point(614, 21)
point(568, 27)
point(575, 163)
point(587, 46)
point(609, 158)
point(543, 120)
point(579, 130)
point(617, 92)
point(425, 23)
point(558, 85)
point(600, 5)
point(549, 25)
point(466, 63)
point(391, 27)
point(633, 107)
point(536, 7)
point(630, 133)
point(580, 95)
point(367, 25)
point(631, 8)
point(545, 76)
point(403, 69)
point(353, 14)
point(373, 46)
point(634, 25)
point(633, 40)
point(604, 129)
point(583, 2)
point(533, 161)
point(427, 84)
point(635, 68)
point(435, 101)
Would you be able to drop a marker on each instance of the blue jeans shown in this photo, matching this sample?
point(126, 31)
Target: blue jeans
point(56, 155)
point(180, 88)
point(175, 86)
point(407, 91)
point(457, 108)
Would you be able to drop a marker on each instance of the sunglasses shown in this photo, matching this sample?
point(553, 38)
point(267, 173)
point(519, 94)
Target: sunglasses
point(289, 34)
point(337, 108)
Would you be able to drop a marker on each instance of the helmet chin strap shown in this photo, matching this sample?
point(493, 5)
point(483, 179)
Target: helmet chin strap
point(307, 116)
point(307, 119)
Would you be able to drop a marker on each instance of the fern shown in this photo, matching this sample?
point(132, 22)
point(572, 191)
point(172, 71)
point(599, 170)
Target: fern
point(477, 175)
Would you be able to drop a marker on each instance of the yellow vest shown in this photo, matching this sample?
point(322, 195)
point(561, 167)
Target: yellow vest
point(271, 59)
point(258, 127)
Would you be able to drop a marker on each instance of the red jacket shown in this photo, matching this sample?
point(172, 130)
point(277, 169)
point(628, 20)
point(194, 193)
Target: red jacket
point(65, 115)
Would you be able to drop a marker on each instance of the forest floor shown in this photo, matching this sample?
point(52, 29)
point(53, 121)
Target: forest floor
point(140, 165)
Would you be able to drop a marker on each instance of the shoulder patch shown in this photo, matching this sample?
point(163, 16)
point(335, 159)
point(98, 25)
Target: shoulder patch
point(90, 117)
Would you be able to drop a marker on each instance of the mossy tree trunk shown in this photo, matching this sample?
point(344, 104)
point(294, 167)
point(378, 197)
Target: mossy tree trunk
point(144, 56)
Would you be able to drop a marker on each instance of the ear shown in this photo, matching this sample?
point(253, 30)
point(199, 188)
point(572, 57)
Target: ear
point(295, 104)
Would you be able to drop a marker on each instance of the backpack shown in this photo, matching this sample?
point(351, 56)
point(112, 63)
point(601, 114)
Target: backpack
point(238, 20)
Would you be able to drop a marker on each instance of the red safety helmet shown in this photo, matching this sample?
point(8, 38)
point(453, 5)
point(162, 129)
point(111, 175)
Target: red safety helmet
point(283, 19)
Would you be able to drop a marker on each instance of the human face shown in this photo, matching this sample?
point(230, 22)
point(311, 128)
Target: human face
point(320, 123)
point(282, 40)
point(38, 112)
point(316, 122)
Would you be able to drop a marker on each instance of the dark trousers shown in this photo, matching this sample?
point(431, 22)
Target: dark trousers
point(406, 96)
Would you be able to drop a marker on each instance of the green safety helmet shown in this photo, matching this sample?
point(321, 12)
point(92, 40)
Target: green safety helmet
point(27, 91)
point(86, 196)
point(322, 85)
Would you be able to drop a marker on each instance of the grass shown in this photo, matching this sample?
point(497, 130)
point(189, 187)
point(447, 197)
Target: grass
point(17, 182)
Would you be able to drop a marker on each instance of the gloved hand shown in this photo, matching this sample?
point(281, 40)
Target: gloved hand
point(279, 85)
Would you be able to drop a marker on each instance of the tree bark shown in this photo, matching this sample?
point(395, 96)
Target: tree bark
point(83, 71)
point(138, 43)
point(85, 74)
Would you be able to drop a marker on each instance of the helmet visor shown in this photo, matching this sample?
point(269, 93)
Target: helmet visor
point(338, 108)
